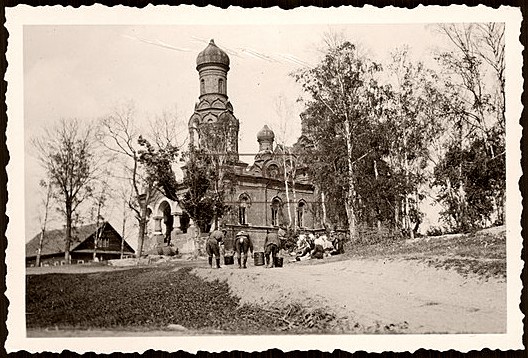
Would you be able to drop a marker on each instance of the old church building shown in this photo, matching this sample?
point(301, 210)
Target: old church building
point(262, 199)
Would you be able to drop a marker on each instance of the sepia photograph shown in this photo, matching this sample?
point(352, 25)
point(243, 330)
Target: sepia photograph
point(252, 179)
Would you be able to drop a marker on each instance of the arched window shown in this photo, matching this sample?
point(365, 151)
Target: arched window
point(244, 203)
point(276, 205)
point(300, 213)
point(202, 86)
point(221, 86)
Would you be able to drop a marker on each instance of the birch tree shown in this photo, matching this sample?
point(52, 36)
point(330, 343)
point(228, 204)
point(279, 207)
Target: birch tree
point(343, 93)
point(412, 115)
point(284, 111)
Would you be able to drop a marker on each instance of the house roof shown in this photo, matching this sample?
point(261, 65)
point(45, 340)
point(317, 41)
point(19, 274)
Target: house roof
point(53, 242)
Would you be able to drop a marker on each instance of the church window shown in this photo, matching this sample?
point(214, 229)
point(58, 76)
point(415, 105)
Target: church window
point(275, 210)
point(221, 86)
point(243, 205)
point(300, 213)
point(202, 86)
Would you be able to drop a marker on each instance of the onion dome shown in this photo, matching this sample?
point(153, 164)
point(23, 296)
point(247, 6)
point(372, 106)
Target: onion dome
point(212, 54)
point(265, 134)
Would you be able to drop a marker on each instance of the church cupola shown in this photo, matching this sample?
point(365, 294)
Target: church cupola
point(265, 138)
point(212, 54)
point(212, 65)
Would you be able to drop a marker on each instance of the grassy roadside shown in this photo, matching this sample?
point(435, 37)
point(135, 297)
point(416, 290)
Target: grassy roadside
point(153, 298)
point(482, 253)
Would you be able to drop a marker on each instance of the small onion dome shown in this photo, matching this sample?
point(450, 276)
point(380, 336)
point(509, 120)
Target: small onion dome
point(265, 134)
point(212, 54)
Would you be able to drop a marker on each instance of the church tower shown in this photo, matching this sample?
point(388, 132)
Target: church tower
point(213, 126)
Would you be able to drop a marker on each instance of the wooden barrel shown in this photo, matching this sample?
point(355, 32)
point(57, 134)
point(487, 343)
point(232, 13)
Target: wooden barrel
point(258, 258)
point(279, 261)
point(229, 260)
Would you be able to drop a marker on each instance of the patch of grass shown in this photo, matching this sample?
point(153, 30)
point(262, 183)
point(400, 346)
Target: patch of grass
point(482, 253)
point(153, 298)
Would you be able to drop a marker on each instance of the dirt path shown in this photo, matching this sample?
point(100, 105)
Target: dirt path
point(365, 294)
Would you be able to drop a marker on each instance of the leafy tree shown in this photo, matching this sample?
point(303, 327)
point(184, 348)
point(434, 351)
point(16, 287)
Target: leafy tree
point(67, 152)
point(410, 123)
point(469, 180)
point(202, 200)
point(208, 176)
point(474, 79)
point(220, 156)
point(343, 94)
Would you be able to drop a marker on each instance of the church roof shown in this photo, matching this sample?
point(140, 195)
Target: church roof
point(265, 134)
point(212, 54)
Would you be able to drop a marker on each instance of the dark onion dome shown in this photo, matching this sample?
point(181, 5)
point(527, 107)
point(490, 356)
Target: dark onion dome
point(265, 134)
point(212, 54)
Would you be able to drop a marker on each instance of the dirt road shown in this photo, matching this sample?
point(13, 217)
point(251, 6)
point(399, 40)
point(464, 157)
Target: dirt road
point(376, 295)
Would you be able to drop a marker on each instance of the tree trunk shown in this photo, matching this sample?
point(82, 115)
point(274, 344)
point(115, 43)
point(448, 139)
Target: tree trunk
point(397, 205)
point(323, 207)
point(349, 202)
point(123, 235)
point(43, 226)
point(408, 218)
point(287, 193)
point(406, 213)
point(293, 172)
point(97, 233)
point(378, 221)
point(39, 250)
point(142, 229)
point(67, 242)
point(296, 223)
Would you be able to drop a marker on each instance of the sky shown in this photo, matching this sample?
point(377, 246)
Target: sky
point(85, 71)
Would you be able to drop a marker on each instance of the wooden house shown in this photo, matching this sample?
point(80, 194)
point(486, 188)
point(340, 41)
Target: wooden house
point(82, 246)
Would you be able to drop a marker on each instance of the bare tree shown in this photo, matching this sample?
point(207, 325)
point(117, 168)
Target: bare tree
point(67, 153)
point(121, 135)
point(476, 76)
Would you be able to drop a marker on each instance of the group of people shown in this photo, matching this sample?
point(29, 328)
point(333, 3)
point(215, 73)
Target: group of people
point(243, 244)
point(310, 246)
point(307, 246)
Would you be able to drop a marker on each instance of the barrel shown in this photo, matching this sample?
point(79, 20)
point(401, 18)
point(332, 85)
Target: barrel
point(258, 258)
point(278, 261)
point(229, 260)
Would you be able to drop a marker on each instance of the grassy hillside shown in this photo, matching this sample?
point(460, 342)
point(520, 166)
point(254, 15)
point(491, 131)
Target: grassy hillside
point(482, 253)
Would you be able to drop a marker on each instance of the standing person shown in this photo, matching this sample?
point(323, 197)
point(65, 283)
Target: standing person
point(272, 246)
point(242, 245)
point(212, 247)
